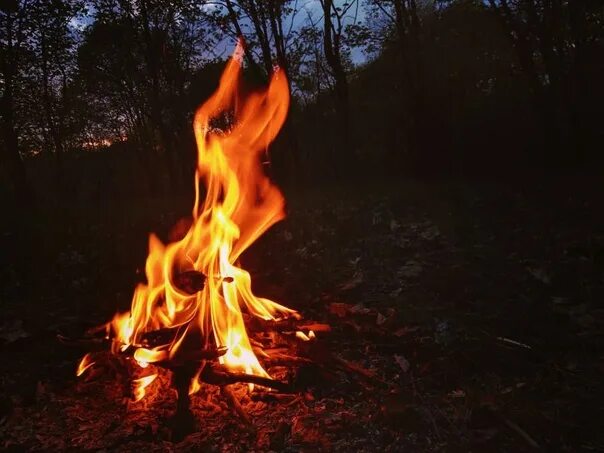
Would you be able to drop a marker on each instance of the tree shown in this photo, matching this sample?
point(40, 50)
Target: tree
point(146, 73)
point(551, 38)
point(402, 29)
point(272, 40)
point(333, 27)
point(53, 44)
point(13, 31)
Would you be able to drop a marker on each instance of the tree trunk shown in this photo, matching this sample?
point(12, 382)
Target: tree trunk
point(19, 214)
point(152, 63)
point(524, 50)
point(51, 124)
point(11, 159)
point(583, 122)
point(261, 31)
point(331, 48)
point(248, 55)
point(274, 13)
point(408, 32)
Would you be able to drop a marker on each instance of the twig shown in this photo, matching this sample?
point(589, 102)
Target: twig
point(522, 433)
point(367, 374)
point(92, 344)
point(278, 358)
point(290, 324)
point(221, 377)
point(235, 405)
point(316, 327)
point(514, 342)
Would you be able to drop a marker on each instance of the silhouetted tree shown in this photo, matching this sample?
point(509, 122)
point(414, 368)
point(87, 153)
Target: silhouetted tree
point(13, 32)
point(53, 45)
point(550, 38)
point(333, 28)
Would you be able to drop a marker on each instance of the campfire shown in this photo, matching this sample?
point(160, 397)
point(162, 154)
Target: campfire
point(193, 314)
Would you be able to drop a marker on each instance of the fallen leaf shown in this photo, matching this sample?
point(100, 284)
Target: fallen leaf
point(405, 330)
point(355, 281)
point(560, 300)
point(12, 331)
point(316, 327)
point(397, 292)
point(279, 438)
point(353, 325)
point(540, 274)
point(402, 362)
point(410, 269)
point(396, 413)
point(457, 394)
point(360, 309)
point(339, 309)
point(305, 431)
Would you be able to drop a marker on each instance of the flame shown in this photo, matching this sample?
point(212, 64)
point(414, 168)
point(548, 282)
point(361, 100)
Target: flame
point(302, 336)
point(194, 386)
point(85, 363)
point(139, 386)
point(240, 204)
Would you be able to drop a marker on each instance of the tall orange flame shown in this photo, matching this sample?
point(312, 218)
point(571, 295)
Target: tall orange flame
point(240, 204)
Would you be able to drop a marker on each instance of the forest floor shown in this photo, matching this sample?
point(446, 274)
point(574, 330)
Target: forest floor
point(474, 313)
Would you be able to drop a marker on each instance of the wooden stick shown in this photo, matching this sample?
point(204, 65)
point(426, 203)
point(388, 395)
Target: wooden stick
point(522, 433)
point(212, 375)
point(369, 375)
point(235, 405)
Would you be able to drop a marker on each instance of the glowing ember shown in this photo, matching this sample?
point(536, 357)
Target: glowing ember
point(240, 204)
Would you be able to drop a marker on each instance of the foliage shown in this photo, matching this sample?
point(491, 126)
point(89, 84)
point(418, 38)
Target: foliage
point(445, 85)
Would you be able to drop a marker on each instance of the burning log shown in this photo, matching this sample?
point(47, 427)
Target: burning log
point(91, 344)
point(292, 324)
point(183, 420)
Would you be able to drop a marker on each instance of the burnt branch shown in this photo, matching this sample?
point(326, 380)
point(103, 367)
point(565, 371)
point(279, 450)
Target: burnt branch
point(214, 375)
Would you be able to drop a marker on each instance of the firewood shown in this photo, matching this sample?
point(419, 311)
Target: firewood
point(212, 374)
point(235, 405)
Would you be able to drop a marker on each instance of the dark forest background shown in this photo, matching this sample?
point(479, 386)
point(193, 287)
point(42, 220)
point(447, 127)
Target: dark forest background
point(97, 99)
point(98, 96)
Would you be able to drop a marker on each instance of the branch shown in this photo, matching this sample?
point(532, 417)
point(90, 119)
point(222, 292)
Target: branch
point(214, 375)
point(383, 10)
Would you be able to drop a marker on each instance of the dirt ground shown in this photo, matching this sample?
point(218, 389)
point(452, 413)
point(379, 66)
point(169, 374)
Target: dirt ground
point(473, 315)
